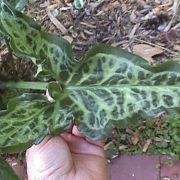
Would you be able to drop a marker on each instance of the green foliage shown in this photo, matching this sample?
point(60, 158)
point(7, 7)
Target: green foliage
point(5, 96)
point(109, 88)
point(6, 172)
point(28, 119)
point(79, 4)
point(18, 4)
point(170, 135)
point(26, 39)
point(1, 37)
point(165, 139)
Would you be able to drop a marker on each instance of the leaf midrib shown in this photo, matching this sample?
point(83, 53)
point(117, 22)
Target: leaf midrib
point(121, 86)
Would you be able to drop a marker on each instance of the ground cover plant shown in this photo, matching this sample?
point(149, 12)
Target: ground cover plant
point(159, 137)
point(108, 88)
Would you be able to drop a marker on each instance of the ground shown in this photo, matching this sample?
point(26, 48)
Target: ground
point(119, 23)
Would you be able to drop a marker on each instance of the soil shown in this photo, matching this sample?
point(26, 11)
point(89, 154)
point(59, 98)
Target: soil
point(121, 23)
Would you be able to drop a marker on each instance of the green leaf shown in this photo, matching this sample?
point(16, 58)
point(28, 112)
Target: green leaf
point(1, 101)
point(28, 119)
point(79, 4)
point(1, 36)
point(54, 53)
point(18, 4)
point(6, 172)
point(112, 88)
point(6, 95)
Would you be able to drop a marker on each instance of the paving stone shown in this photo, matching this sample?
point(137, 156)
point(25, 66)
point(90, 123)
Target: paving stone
point(170, 168)
point(135, 168)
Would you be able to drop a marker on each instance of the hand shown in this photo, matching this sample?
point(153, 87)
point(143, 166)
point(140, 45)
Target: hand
point(67, 157)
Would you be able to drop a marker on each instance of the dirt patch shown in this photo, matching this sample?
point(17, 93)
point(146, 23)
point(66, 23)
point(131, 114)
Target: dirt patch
point(115, 22)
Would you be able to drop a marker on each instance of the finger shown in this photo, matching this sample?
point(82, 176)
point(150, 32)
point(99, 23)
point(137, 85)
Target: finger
point(51, 156)
point(34, 147)
point(98, 143)
point(79, 145)
point(76, 132)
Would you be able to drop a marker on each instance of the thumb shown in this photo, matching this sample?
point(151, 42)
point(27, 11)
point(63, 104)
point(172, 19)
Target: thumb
point(50, 159)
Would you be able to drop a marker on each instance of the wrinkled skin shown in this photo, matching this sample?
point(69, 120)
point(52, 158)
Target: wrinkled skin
point(67, 157)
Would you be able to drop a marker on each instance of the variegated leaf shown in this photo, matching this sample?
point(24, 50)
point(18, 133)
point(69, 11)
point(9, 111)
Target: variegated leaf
point(6, 172)
point(53, 52)
point(18, 4)
point(28, 119)
point(6, 95)
point(114, 88)
point(109, 88)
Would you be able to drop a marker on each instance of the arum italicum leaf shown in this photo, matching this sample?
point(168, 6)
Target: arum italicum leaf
point(28, 119)
point(6, 172)
point(109, 88)
point(26, 39)
point(18, 4)
point(115, 88)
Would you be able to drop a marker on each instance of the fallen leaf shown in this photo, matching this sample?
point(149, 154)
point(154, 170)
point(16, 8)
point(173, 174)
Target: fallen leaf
point(106, 146)
point(146, 145)
point(158, 124)
point(135, 138)
point(158, 139)
point(177, 48)
point(122, 147)
point(129, 131)
point(146, 51)
point(68, 38)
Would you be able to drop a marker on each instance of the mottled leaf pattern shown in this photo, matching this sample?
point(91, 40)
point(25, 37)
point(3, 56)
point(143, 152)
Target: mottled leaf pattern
point(109, 90)
point(6, 95)
point(26, 39)
point(28, 120)
point(6, 172)
point(18, 4)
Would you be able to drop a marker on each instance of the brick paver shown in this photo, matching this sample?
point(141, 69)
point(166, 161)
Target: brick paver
point(143, 167)
point(135, 168)
point(170, 168)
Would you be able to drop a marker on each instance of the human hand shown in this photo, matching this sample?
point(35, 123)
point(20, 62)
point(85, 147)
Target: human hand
point(67, 157)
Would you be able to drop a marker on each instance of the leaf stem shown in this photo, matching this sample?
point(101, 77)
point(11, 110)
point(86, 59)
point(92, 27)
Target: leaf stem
point(23, 85)
point(10, 57)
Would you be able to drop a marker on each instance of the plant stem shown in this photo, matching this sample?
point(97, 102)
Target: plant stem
point(23, 85)
point(10, 57)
